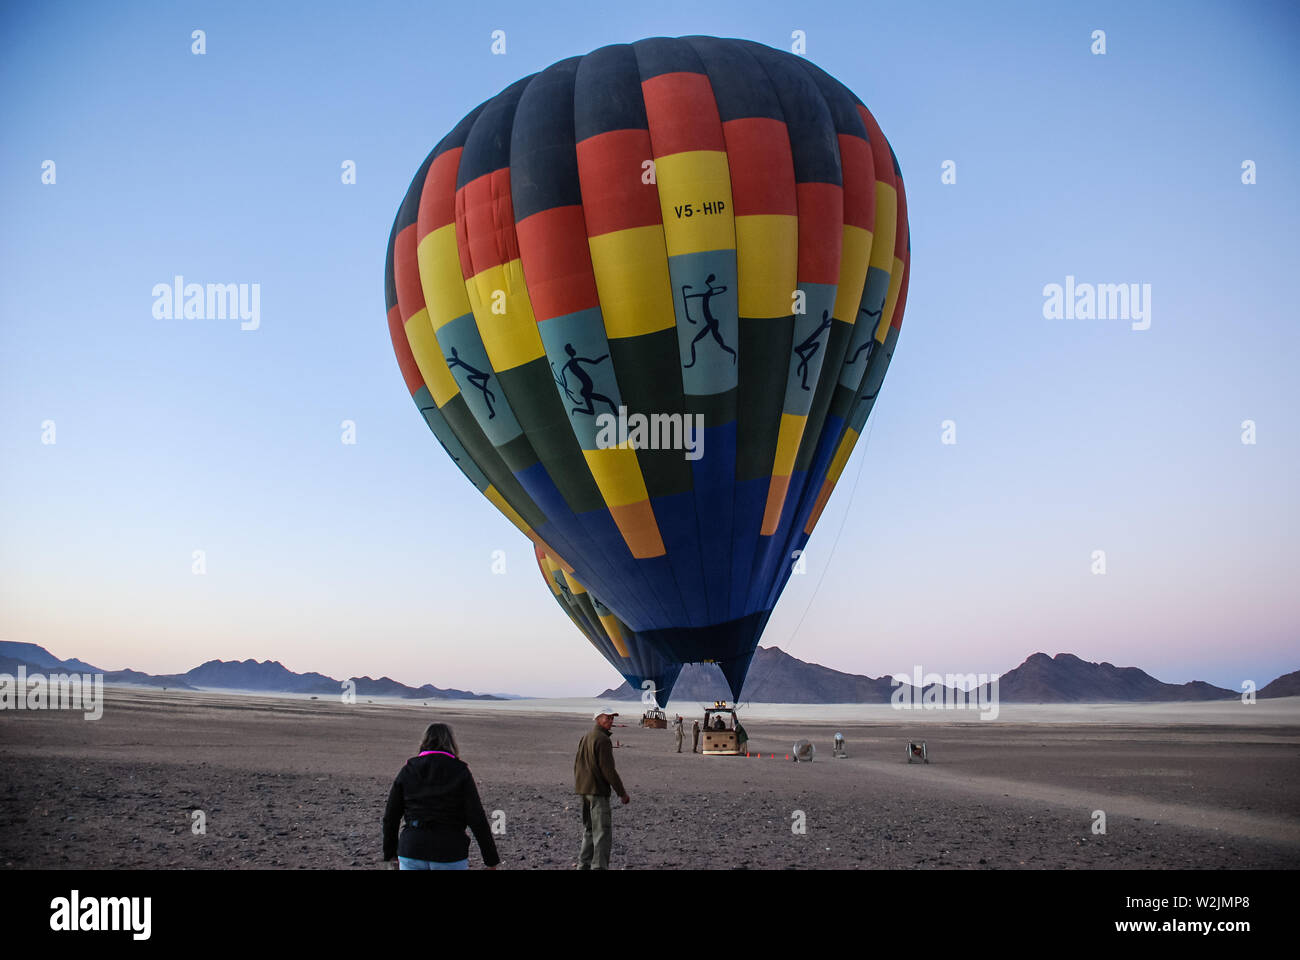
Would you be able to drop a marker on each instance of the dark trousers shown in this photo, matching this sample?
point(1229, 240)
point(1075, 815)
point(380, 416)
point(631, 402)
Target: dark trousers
point(597, 833)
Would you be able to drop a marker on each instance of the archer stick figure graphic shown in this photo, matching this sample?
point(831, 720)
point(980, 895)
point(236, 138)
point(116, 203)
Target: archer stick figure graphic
point(869, 340)
point(808, 349)
point(710, 321)
point(586, 393)
point(477, 378)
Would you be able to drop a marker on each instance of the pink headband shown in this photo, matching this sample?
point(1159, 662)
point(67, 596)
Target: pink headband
point(425, 753)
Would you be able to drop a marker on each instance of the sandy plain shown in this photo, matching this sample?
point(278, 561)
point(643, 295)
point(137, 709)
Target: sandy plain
point(286, 782)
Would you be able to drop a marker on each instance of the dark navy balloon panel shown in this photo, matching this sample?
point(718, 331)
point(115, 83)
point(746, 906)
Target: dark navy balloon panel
point(651, 293)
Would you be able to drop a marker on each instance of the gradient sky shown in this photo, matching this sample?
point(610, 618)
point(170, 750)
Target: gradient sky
point(375, 558)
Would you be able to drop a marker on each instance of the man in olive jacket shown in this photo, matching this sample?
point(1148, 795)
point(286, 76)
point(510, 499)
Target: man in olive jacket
point(593, 776)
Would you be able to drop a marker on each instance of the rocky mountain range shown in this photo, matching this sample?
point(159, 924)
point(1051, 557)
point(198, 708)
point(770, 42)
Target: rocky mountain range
point(268, 676)
point(777, 677)
point(774, 677)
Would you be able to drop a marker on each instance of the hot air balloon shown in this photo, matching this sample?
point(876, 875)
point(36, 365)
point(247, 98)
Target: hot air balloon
point(640, 664)
point(645, 299)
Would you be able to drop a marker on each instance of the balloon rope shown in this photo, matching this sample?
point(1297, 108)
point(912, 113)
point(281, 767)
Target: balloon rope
point(827, 565)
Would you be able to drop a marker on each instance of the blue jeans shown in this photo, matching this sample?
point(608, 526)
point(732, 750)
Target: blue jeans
point(410, 863)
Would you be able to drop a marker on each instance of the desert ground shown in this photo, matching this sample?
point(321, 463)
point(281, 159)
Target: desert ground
point(299, 783)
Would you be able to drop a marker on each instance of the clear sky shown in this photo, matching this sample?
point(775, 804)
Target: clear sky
point(375, 558)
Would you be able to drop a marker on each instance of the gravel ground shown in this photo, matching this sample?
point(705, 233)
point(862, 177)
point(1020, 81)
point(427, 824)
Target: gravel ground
point(302, 784)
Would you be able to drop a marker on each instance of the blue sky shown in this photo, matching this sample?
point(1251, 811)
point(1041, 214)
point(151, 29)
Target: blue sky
point(1072, 435)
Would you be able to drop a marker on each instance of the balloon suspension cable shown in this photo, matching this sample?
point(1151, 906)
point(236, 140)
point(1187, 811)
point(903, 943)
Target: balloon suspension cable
point(862, 459)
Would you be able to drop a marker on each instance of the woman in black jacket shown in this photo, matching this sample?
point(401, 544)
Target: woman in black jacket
point(436, 793)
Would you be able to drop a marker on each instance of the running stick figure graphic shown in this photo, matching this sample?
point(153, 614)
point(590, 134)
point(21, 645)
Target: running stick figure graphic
point(870, 340)
point(476, 378)
point(871, 397)
point(710, 321)
point(586, 394)
point(808, 349)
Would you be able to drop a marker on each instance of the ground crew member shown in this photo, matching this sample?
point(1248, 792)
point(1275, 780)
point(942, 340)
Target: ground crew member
point(593, 777)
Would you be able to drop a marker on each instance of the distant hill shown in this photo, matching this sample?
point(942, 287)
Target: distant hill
point(777, 677)
point(1287, 685)
point(1066, 678)
point(45, 662)
point(30, 654)
point(269, 676)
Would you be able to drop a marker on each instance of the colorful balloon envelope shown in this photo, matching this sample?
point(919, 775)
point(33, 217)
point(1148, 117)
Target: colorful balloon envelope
point(640, 664)
point(645, 299)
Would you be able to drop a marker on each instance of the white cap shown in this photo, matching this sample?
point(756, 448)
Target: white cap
point(603, 713)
